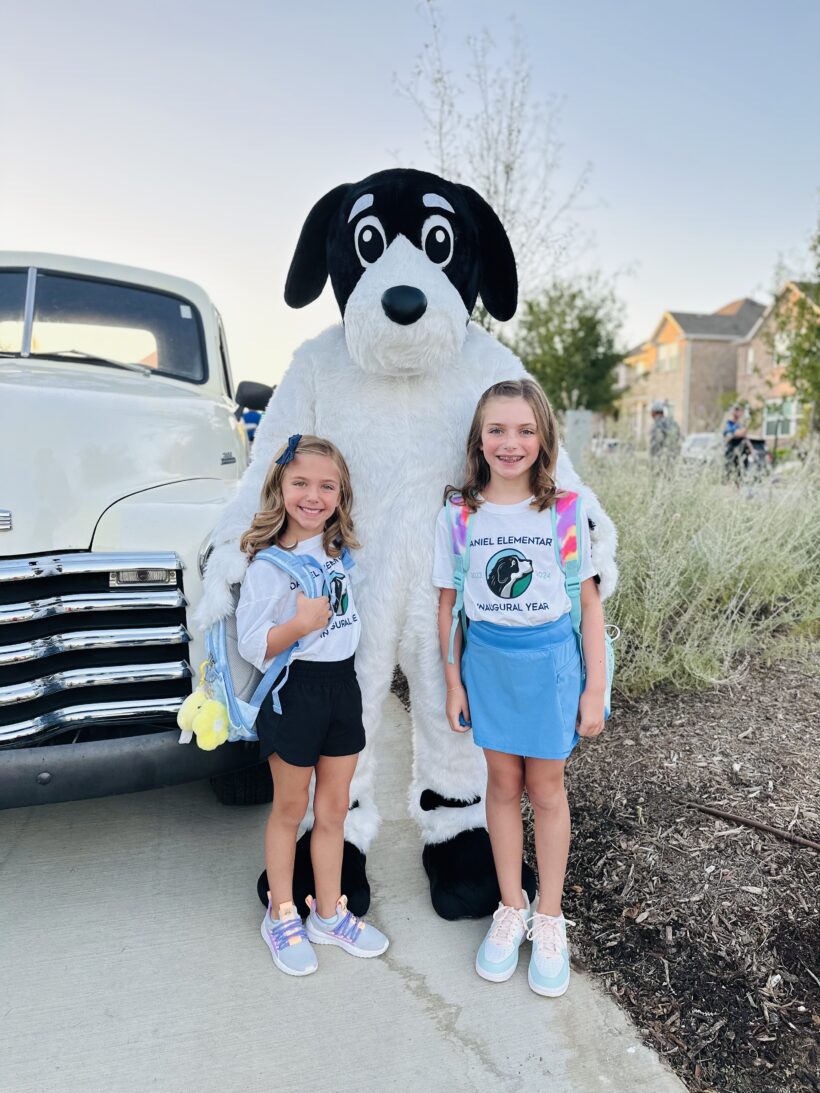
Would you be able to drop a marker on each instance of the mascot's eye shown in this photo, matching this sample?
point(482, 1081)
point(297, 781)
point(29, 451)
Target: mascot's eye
point(437, 240)
point(370, 240)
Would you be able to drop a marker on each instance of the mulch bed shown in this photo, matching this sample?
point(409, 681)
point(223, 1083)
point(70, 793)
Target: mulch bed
point(705, 930)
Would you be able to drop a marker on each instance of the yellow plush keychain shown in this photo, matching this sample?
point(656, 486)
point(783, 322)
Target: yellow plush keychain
point(204, 716)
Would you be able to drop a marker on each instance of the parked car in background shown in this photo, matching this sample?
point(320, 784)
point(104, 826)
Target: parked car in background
point(120, 442)
point(702, 448)
point(609, 445)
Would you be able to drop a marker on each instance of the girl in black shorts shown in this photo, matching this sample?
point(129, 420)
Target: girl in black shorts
point(306, 503)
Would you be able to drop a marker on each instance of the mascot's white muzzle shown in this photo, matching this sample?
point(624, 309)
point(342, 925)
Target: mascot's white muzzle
point(404, 317)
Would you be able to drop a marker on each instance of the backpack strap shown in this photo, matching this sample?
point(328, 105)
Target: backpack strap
point(459, 517)
point(566, 532)
point(300, 568)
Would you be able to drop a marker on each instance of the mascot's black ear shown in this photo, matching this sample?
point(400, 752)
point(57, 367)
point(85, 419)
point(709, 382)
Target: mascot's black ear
point(498, 286)
point(308, 267)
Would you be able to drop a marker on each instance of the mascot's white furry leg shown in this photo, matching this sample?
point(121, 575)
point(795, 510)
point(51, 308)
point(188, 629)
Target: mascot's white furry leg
point(449, 780)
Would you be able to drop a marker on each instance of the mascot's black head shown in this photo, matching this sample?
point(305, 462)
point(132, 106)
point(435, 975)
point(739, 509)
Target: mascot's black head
point(407, 253)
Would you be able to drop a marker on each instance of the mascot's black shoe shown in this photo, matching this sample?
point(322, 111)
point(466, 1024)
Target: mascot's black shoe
point(462, 876)
point(354, 879)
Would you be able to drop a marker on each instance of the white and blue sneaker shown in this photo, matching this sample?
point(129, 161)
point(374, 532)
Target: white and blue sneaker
point(497, 958)
point(346, 930)
point(286, 938)
point(549, 961)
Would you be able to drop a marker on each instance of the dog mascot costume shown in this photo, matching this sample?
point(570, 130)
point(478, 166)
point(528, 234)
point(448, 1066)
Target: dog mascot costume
point(395, 385)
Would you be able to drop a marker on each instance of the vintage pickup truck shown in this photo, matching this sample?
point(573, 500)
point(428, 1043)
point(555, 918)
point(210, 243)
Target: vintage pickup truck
point(120, 441)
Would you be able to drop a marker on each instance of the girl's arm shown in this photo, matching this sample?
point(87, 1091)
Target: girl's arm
point(456, 695)
point(591, 707)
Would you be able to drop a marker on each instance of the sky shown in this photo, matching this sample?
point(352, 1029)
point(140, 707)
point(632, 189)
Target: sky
point(193, 138)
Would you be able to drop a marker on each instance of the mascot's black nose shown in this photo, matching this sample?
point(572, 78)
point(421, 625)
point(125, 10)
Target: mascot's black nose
point(404, 304)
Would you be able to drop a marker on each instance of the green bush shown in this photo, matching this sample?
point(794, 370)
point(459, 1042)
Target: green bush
point(710, 576)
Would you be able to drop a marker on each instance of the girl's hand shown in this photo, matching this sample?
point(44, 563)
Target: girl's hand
point(590, 714)
point(457, 704)
point(312, 613)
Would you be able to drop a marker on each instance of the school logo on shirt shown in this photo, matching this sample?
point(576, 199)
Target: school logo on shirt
point(339, 596)
point(509, 574)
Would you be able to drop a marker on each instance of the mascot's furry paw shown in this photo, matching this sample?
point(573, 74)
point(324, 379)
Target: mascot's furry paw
point(225, 567)
point(355, 884)
point(462, 876)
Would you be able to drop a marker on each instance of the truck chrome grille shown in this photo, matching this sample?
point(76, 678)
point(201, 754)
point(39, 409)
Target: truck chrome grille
point(80, 646)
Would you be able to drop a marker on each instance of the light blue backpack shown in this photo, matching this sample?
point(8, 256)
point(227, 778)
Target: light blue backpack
point(229, 678)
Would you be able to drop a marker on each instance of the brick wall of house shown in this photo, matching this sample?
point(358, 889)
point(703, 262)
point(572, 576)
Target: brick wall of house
point(712, 377)
point(759, 379)
point(663, 382)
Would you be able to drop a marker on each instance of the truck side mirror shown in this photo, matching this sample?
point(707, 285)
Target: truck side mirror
point(252, 396)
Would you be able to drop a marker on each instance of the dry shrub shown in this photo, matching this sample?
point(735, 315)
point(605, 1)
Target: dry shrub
point(710, 575)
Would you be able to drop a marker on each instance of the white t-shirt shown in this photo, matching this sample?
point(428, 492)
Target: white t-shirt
point(268, 598)
point(514, 578)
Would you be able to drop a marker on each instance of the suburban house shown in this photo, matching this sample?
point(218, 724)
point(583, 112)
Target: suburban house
point(690, 364)
point(762, 358)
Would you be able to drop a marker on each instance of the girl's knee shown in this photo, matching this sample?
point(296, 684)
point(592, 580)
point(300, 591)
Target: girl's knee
point(289, 808)
point(329, 810)
point(547, 794)
point(504, 790)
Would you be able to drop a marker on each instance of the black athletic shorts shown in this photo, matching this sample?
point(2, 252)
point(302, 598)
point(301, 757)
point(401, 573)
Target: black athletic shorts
point(321, 714)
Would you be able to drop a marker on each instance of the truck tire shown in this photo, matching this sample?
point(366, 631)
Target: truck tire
point(251, 786)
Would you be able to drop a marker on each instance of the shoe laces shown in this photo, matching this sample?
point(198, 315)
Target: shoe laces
point(506, 923)
point(287, 931)
point(349, 925)
point(545, 932)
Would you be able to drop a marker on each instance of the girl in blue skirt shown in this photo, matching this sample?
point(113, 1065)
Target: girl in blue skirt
point(518, 681)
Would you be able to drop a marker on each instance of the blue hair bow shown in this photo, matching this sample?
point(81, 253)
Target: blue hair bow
point(289, 452)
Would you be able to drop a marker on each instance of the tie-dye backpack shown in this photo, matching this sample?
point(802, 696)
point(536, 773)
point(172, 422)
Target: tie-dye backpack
point(565, 529)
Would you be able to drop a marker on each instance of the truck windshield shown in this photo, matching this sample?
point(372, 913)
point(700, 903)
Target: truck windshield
point(75, 317)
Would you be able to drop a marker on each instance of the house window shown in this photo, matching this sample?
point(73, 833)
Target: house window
point(668, 357)
point(750, 360)
point(780, 417)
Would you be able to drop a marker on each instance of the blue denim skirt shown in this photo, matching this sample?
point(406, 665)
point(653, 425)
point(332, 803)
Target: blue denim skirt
point(523, 686)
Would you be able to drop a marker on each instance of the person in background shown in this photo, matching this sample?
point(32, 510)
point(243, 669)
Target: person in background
point(664, 436)
point(735, 433)
point(251, 418)
point(735, 427)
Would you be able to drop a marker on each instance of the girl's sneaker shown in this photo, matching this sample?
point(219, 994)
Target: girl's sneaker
point(497, 957)
point(549, 962)
point(350, 933)
point(286, 938)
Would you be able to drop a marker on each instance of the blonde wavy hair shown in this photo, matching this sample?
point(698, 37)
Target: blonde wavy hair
point(271, 520)
point(542, 472)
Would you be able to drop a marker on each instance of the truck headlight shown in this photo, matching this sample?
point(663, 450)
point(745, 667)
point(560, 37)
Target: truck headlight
point(130, 577)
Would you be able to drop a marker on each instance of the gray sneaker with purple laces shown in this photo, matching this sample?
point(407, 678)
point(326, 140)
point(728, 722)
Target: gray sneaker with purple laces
point(346, 930)
point(286, 938)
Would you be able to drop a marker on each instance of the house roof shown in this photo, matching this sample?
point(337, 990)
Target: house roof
point(733, 321)
point(731, 308)
point(810, 289)
point(635, 350)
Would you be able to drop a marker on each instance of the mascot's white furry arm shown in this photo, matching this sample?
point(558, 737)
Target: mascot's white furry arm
point(395, 387)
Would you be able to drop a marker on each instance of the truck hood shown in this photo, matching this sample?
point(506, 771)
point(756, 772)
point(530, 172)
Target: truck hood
point(75, 439)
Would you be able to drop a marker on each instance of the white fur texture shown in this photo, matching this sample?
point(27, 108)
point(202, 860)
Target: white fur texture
point(404, 438)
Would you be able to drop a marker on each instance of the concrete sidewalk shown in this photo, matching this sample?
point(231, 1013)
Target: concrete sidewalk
point(131, 960)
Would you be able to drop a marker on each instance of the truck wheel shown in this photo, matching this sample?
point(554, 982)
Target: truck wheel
point(251, 786)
